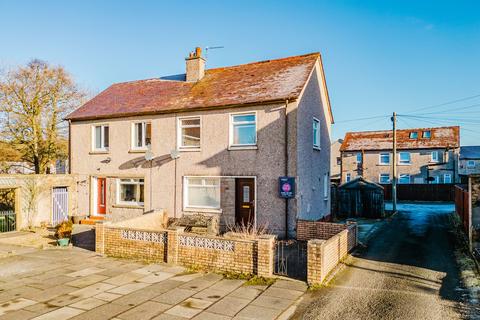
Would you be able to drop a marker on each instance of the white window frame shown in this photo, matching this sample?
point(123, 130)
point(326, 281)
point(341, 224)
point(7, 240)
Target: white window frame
point(144, 146)
point(436, 158)
point(403, 163)
point(316, 134)
point(380, 158)
point(404, 175)
point(187, 206)
point(383, 175)
point(449, 175)
point(348, 177)
point(135, 181)
point(471, 164)
point(425, 136)
point(436, 180)
point(102, 138)
point(231, 145)
point(180, 126)
point(413, 135)
point(361, 157)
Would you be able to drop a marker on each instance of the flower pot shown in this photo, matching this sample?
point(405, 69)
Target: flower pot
point(63, 242)
point(77, 219)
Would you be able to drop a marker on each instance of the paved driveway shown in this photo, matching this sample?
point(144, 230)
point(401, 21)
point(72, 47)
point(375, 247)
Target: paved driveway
point(78, 284)
point(408, 270)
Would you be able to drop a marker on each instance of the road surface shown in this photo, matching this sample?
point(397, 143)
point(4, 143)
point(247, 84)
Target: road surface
point(407, 271)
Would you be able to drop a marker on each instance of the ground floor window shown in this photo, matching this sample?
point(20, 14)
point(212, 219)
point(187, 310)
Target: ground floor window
point(447, 178)
point(202, 192)
point(130, 191)
point(384, 178)
point(404, 179)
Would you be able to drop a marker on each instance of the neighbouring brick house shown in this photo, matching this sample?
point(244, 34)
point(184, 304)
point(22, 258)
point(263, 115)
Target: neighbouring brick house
point(469, 162)
point(424, 155)
point(211, 141)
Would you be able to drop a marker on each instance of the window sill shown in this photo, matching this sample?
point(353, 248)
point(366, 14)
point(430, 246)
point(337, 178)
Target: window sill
point(203, 210)
point(99, 152)
point(137, 150)
point(404, 164)
point(317, 148)
point(383, 164)
point(128, 206)
point(252, 147)
point(189, 149)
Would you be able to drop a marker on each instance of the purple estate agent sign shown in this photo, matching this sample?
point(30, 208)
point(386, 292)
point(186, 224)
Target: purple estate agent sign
point(286, 187)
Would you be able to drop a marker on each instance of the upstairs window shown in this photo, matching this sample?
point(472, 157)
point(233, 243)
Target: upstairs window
point(414, 135)
point(471, 164)
point(384, 158)
point(243, 129)
point(359, 157)
point(404, 158)
point(434, 157)
point(427, 134)
point(100, 138)
point(316, 133)
point(348, 177)
point(142, 135)
point(447, 178)
point(384, 178)
point(189, 133)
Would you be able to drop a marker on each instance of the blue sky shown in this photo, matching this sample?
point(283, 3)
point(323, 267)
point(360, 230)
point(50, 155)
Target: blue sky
point(379, 56)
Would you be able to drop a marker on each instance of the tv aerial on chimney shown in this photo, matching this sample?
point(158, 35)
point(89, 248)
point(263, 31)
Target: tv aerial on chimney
point(212, 48)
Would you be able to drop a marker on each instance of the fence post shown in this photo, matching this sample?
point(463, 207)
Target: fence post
point(265, 255)
point(172, 245)
point(100, 237)
point(314, 261)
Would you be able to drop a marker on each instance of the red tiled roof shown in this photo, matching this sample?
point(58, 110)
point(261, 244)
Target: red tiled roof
point(257, 82)
point(441, 137)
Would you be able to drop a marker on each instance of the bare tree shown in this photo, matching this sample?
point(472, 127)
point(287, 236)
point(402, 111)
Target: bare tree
point(34, 99)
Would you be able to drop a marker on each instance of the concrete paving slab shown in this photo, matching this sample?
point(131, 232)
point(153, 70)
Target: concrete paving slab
point(156, 277)
point(124, 278)
point(144, 311)
point(246, 292)
point(291, 284)
point(183, 312)
point(210, 294)
point(106, 311)
point(187, 277)
point(92, 290)
point(40, 308)
point(283, 293)
point(52, 282)
point(19, 315)
point(166, 316)
point(88, 303)
point(227, 285)
point(175, 296)
point(257, 313)
point(197, 284)
point(271, 302)
point(15, 304)
point(128, 288)
point(210, 316)
point(85, 272)
point(86, 281)
point(62, 313)
point(196, 303)
point(63, 300)
point(229, 306)
point(107, 296)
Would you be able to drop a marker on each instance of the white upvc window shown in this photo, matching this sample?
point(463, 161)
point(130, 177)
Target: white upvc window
point(201, 192)
point(427, 134)
point(447, 178)
point(326, 185)
point(384, 178)
point(348, 177)
point(316, 133)
point(404, 179)
point(414, 135)
point(189, 133)
point(100, 138)
point(243, 129)
point(404, 158)
point(130, 191)
point(471, 164)
point(434, 156)
point(436, 180)
point(384, 158)
point(141, 135)
point(359, 157)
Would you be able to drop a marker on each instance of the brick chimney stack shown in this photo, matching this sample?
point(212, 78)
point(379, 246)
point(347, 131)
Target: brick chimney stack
point(195, 65)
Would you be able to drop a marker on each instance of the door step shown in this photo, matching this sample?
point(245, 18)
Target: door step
point(92, 220)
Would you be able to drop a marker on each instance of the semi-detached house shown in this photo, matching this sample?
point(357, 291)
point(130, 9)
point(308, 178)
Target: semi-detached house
point(210, 141)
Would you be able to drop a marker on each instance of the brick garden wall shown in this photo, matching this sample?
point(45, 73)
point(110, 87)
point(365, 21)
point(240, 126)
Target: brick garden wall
point(176, 247)
point(307, 230)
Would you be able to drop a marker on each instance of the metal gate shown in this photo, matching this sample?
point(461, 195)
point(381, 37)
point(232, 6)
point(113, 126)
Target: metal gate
point(59, 205)
point(7, 221)
point(291, 259)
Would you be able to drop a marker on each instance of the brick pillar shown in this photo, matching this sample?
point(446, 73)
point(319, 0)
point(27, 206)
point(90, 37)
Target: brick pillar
point(265, 255)
point(100, 237)
point(172, 245)
point(314, 261)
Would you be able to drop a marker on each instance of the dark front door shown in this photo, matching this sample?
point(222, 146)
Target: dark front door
point(101, 195)
point(245, 201)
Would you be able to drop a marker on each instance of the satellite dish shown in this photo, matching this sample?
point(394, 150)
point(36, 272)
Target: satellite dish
point(174, 154)
point(149, 156)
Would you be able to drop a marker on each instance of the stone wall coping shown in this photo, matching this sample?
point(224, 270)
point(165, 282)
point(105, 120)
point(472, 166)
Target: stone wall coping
point(317, 241)
point(107, 226)
point(219, 237)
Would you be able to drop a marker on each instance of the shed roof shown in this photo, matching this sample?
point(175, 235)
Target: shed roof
point(470, 152)
point(258, 82)
point(440, 137)
point(360, 183)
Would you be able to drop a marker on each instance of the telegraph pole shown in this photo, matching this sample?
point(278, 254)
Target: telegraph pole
point(394, 163)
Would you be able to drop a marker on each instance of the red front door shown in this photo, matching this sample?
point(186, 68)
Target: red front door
point(101, 195)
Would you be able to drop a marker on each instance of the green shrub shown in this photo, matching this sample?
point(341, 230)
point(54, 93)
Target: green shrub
point(64, 230)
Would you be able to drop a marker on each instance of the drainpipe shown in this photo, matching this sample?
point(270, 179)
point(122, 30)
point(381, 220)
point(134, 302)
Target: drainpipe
point(286, 166)
point(69, 146)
